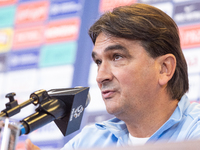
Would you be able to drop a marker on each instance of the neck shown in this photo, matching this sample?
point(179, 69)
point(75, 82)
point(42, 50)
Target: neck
point(146, 123)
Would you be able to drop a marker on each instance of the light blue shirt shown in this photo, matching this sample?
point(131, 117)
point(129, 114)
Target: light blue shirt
point(184, 124)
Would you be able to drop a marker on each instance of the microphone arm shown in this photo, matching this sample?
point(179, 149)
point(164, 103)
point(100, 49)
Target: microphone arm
point(63, 106)
point(12, 107)
point(48, 111)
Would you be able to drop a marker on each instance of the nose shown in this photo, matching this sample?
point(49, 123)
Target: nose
point(104, 73)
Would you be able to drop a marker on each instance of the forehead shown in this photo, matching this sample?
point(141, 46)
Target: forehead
point(105, 43)
point(104, 40)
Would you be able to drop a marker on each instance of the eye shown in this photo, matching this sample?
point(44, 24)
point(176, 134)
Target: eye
point(98, 62)
point(117, 57)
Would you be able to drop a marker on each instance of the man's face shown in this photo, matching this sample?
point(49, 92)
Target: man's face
point(127, 75)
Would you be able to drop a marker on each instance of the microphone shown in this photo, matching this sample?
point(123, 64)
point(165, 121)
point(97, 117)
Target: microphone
point(63, 106)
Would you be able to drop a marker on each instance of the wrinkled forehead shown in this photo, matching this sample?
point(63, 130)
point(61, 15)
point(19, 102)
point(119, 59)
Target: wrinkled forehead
point(106, 42)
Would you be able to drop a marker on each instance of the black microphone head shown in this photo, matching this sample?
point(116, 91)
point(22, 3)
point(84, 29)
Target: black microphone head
point(88, 100)
point(88, 97)
point(75, 99)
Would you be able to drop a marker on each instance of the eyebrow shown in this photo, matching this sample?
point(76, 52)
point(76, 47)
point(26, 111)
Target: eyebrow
point(110, 48)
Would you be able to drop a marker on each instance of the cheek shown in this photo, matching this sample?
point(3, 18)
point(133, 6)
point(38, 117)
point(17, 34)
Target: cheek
point(126, 79)
point(129, 76)
point(134, 80)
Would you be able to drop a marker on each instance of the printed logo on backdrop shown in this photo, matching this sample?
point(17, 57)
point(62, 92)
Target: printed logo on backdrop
point(190, 36)
point(7, 2)
point(23, 59)
point(64, 8)
point(187, 12)
point(28, 37)
point(106, 5)
point(62, 30)
point(32, 12)
point(6, 36)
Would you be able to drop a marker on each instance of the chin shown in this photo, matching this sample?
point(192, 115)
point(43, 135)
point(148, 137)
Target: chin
point(113, 107)
point(110, 111)
point(113, 111)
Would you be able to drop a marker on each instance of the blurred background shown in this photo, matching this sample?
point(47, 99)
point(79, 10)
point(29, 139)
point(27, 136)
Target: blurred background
point(44, 45)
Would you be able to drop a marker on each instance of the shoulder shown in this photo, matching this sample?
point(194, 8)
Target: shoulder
point(96, 135)
point(193, 111)
point(191, 121)
point(189, 109)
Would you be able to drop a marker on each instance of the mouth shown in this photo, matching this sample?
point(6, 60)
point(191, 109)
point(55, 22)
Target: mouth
point(107, 94)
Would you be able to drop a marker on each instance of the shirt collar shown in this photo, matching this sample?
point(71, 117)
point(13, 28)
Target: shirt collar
point(119, 129)
point(174, 119)
point(115, 126)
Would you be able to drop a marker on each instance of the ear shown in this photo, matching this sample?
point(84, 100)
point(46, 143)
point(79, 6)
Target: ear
point(167, 68)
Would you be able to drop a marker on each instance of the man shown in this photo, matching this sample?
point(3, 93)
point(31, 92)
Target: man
point(142, 75)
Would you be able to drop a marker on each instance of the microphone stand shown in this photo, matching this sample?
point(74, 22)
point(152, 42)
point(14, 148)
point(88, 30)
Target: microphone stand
point(12, 107)
point(63, 106)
